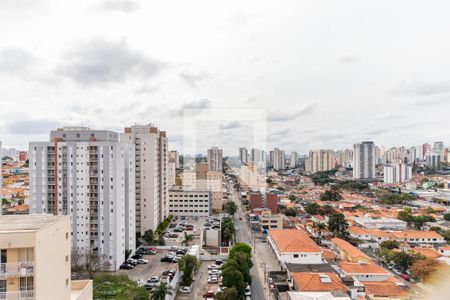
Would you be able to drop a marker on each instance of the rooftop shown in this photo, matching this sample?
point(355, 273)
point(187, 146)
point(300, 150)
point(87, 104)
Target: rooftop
point(348, 248)
point(318, 282)
point(362, 268)
point(13, 223)
point(416, 234)
point(292, 240)
point(384, 289)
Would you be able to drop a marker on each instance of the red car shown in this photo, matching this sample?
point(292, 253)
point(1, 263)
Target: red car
point(406, 277)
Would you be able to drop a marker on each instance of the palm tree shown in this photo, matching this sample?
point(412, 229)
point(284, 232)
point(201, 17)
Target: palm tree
point(187, 239)
point(320, 227)
point(160, 291)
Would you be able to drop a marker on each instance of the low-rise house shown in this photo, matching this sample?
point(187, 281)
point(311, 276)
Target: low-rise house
point(317, 282)
point(359, 233)
point(291, 295)
point(294, 246)
point(418, 237)
point(376, 222)
point(385, 290)
point(379, 235)
point(445, 250)
point(365, 271)
point(347, 252)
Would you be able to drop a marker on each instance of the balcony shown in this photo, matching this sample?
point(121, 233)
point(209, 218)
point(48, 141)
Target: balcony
point(17, 295)
point(21, 268)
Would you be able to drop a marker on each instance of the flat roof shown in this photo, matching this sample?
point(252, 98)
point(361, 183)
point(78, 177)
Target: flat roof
point(11, 223)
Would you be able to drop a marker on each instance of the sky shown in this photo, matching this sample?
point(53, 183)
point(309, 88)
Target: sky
point(326, 73)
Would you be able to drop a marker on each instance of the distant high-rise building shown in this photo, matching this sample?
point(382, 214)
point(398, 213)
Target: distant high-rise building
point(258, 158)
point(320, 160)
point(344, 158)
point(278, 159)
point(152, 184)
point(243, 155)
point(438, 147)
point(364, 160)
point(294, 160)
point(88, 175)
point(433, 160)
point(1, 180)
point(215, 159)
point(176, 158)
point(397, 173)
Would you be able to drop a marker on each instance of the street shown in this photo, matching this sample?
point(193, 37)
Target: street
point(258, 287)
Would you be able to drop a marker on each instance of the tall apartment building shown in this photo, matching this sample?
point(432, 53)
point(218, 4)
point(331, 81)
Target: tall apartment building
point(278, 159)
point(364, 160)
point(433, 160)
point(35, 259)
point(151, 175)
point(438, 147)
point(88, 175)
point(397, 173)
point(215, 159)
point(243, 155)
point(258, 158)
point(176, 158)
point(294, 160)
point(1, 181)
point(320, 160)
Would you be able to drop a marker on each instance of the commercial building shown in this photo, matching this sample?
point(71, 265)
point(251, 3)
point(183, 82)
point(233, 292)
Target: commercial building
point(215, 159)
point(35, 259)
point(364, 160)
point(151, 174)
point(397, 173)
point(190, 203)
point(88, 175)
point(267, 220)
point(372, 222)
point(243, 155)
point(319, 161)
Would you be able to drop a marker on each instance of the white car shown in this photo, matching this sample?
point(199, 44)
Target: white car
point(185, 290)
point(213, 279)
point(142, 261)
point(214, 272)
point(213, 267)
point(248, 291)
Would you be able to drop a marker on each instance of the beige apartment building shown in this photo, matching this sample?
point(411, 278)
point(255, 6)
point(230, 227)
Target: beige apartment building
point(35, 259)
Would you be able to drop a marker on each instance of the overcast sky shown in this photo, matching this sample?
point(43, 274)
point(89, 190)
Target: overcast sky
point(328, 73)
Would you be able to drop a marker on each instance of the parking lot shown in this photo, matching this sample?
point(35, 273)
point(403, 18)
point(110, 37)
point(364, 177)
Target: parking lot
point(197, 224)
point(154, 267)
point(201, 285)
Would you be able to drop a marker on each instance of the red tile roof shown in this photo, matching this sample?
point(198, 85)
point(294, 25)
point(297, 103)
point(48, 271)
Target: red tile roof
point(292, 240)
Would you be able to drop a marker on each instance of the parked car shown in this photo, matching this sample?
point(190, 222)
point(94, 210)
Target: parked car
point(406, 277)
point(209, 294)
point(142, 261)
point(126, 266)
point(213, 279)
point(137, 256)
point(132, 262)
point(214, 272)
point(219, 262)
point(213, 267)
point(185, 290)
point(248, 291)
point(167, 258)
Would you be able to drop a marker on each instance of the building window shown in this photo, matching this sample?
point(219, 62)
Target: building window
point(295, 255)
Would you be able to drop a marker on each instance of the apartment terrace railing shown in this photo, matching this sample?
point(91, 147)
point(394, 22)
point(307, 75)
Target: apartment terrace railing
point(17, 295)
point(21, 268)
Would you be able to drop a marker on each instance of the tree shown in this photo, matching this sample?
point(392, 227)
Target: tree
point(240, 247)
point(160, 291)
point(228, 230)
point(447, 216)
point(244, 265)
point(188, 264)
point(419, 221)
point(232, 278)
point(330, 195)
point(228, 294)
point(384, 254)
point(290, 212)
point(231, 208)
point(338, 226)
point(320, 227)
point(430, 210)
point(390, 244)
point(423, 269)
point(148, 236)
point(326, 210)
point(187, 239)
point(118, 287)
point(88, 261)
point(405, 260)
point(312, 208)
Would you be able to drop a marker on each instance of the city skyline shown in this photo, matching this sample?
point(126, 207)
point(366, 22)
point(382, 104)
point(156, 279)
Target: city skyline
point(100, 67)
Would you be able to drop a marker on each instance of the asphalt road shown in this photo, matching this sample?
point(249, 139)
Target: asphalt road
point(243, 235)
